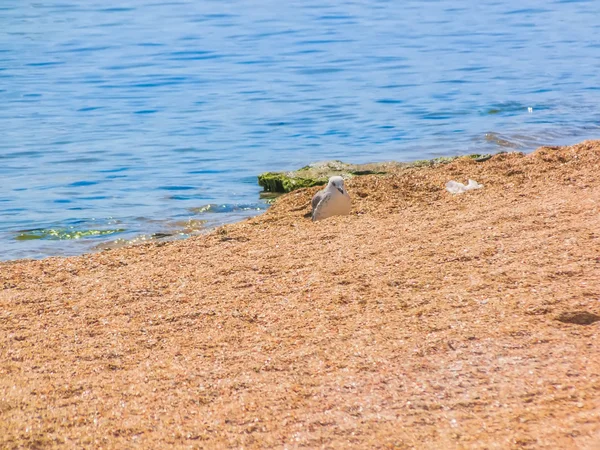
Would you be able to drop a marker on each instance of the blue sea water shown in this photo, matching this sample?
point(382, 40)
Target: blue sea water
point(130, 118)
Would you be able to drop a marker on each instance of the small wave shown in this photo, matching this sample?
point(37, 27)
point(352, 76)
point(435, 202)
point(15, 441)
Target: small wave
point(227, 208)
point(60, 234)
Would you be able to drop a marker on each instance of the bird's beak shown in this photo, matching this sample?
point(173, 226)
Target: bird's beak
point(341, 190)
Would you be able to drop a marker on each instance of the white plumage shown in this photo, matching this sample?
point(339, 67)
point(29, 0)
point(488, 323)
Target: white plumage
point(331, 201)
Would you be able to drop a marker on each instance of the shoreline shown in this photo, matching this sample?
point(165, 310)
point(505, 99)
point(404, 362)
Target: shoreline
point(314, 174)
point(422, 320)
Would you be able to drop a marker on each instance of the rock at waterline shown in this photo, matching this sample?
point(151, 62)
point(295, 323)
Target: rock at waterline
point(317, 174)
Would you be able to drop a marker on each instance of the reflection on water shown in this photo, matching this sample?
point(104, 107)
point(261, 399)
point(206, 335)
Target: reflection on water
point(147, 111)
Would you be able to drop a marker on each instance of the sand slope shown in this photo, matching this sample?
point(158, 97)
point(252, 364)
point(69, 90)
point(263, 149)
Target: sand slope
point(423, 320)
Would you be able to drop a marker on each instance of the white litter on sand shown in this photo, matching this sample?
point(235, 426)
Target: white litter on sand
point(455, 187)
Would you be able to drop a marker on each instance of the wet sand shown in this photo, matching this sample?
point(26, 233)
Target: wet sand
point(422, 320)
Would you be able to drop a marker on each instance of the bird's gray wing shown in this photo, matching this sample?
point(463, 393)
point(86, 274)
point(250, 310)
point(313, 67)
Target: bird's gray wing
point(323, 198)
point(316, 199)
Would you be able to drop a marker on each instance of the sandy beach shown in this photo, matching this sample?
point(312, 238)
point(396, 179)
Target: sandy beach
point(423, 320)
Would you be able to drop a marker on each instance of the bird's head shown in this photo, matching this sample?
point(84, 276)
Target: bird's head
point(337, 182)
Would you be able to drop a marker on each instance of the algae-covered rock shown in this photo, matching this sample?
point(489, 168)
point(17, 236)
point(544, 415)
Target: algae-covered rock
point(285, 182)
point(317, 174)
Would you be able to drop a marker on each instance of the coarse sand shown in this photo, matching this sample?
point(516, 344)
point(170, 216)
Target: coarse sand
point(423, 320)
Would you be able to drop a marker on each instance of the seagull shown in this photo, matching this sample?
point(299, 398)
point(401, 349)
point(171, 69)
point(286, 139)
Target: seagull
point(331, 201)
